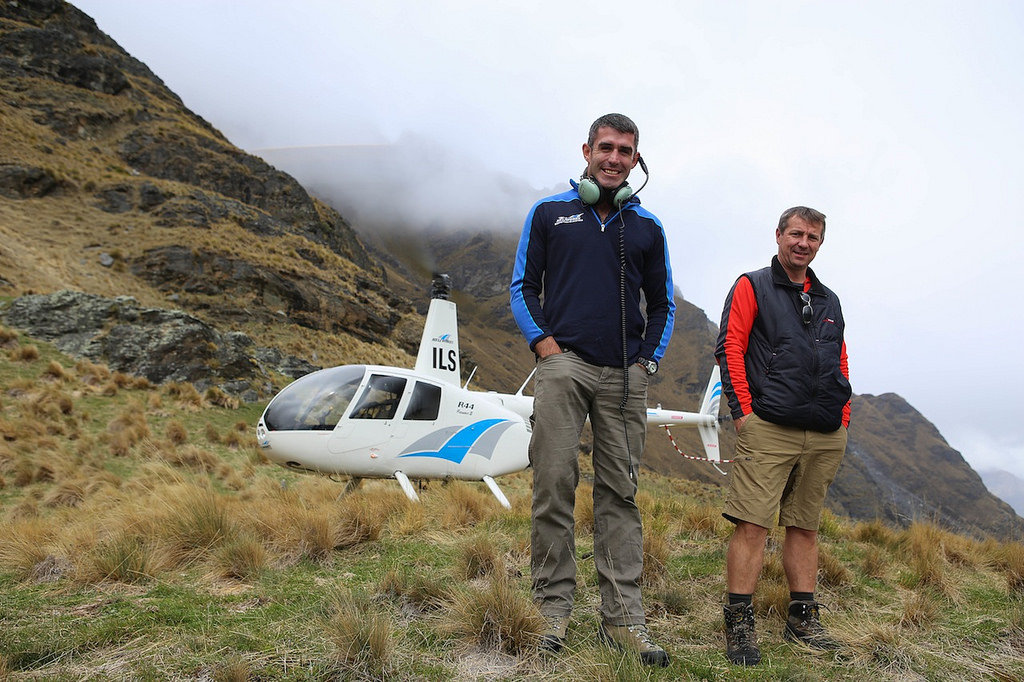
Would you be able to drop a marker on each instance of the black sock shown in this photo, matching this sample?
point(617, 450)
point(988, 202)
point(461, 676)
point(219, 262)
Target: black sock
point(745, 599)
point(801, 596)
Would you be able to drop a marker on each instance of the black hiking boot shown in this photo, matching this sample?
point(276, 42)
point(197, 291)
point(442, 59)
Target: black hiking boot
point(740, 638)
point(804, 626)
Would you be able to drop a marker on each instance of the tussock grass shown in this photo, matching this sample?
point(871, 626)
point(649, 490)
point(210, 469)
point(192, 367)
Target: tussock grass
point(142, 536)
point(832, 571)
point(925, 546)
point(920, 609)
point(498, 616)
point(361, 633)
point(176, 432)
point(875, 533)
point(243, 557)
point(28, 353)
point(702, 521)
point(479, 557)
point(657, 550)
point(123, 558)
point(412, 589)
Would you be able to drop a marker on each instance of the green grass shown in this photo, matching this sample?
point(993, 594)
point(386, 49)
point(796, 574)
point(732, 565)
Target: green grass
point(180, 553)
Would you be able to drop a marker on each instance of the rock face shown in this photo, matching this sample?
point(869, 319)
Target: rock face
point(249, 289)
point(160, 345)
point(25, 182)
point(72, 79)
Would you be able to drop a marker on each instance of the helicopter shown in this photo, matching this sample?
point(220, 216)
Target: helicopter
point(375, 421)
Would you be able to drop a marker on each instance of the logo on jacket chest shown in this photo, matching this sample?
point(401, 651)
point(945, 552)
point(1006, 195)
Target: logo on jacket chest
point(566, 219)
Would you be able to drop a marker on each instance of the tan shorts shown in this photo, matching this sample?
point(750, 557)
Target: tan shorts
point(782, 472)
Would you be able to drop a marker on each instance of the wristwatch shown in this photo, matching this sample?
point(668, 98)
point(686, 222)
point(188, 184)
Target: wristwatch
point(650, 365)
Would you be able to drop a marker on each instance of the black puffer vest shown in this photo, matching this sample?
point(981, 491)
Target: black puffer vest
point(792, 367)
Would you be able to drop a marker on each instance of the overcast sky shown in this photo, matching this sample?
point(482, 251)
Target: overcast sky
point(900, 120)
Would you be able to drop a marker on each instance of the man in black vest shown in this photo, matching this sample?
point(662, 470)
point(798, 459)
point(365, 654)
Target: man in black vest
point(785, 374)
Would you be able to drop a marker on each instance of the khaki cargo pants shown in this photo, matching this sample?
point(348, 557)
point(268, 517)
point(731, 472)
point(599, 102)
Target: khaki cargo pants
point(568, 390)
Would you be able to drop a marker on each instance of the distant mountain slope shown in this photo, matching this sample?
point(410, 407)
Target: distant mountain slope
point(1007, 486)
point(110, 186)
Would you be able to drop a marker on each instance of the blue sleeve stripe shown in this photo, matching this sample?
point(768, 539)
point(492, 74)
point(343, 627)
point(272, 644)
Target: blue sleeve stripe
point(520, 311)
point(670, 318)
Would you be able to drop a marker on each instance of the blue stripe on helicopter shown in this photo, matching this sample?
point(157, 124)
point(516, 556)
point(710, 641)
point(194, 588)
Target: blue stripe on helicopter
point(457, 447)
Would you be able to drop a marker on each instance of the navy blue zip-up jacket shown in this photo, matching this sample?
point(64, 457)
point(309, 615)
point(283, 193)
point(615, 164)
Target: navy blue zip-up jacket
point(774, 364)
point(565, 282)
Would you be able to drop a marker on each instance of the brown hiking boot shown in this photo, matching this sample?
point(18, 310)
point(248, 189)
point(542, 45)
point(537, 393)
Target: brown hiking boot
point(804, 626)
point(634, 638)
point(740, 638)
point(552, 637)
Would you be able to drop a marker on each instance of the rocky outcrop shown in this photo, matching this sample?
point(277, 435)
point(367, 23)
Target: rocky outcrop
point(242, 288)
point(158, 344)
point(26, 182)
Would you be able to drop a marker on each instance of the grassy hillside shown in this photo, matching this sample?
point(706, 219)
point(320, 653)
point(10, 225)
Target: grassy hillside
point(143, 536)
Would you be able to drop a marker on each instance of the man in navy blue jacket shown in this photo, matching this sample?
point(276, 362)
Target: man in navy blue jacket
point(592, 293)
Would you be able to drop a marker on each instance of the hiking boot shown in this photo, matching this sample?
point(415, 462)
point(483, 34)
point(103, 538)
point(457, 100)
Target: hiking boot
point(552, 637)
point(634, 638)
point(804, 626)
point(740, 638)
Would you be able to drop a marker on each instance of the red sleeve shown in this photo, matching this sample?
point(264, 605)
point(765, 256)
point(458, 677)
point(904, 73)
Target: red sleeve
point(844, 366)
point(741, 317)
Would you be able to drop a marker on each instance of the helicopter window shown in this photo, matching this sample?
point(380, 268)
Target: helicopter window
point(380, 399)
point(425, 402)
point(316, 401)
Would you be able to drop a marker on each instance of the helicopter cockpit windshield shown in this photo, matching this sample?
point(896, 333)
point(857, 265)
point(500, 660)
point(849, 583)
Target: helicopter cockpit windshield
point(315, 402)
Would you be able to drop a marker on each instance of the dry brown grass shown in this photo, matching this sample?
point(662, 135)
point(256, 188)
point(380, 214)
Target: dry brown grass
point(924, 546)
point(56, 372)
point(584, 511)
point(240, 558)
point(27, 353)
point(92, 374)
point(479, 556)
point(876, 533)
point(464, 504)
point(704, 521)
point(216, 396)
point(127, 429)
point(26, 543)
point(176, 432)
point(498, 616)
point(184, 395)
point(8, 337)
point(1010, 559)
point(919, 610)
point(657, 549)
point(875, 563)
point(832, 571)
point(169, 512)
point(422, 591)
point(362, 635)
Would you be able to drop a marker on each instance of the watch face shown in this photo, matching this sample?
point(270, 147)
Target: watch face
point(650, 365)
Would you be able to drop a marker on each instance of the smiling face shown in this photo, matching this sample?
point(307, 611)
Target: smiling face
point(798, 245)
point(611, 158)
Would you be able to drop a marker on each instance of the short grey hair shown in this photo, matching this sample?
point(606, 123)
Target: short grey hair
point(618, 122)
point(808, 214)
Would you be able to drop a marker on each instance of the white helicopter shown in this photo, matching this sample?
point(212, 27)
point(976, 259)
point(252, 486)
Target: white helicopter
point(371, 421)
